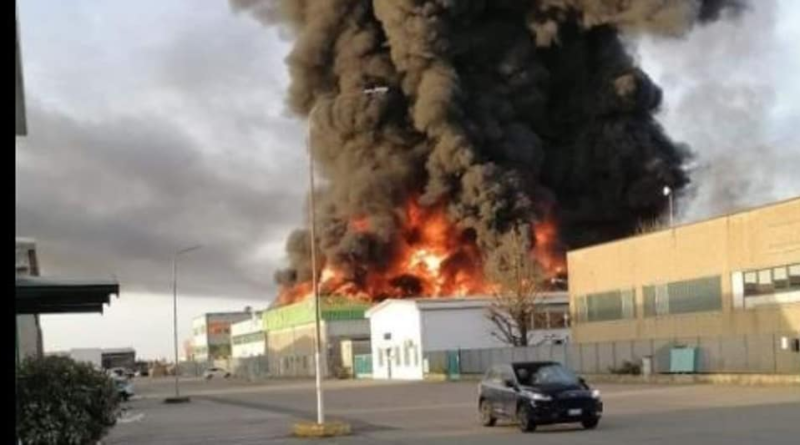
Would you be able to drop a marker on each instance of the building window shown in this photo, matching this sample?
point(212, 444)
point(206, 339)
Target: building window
point(540, 319)
point(607, 306)
point(380, 357)
point(794, 276)
point(557, 319)
point(772, 280)
point(406, 355)
point(681, 297)
point(396, 354)
point(750, 283)
point(780, 278)
point(765, 282)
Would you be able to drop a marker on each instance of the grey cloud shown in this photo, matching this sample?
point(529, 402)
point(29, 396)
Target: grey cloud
point(723, 85)
point(189, 145)
point(118, 196)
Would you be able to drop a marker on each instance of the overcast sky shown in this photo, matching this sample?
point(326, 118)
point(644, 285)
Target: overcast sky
point(155, 125)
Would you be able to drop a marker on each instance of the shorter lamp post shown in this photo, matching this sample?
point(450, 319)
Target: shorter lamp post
point(668, 193)
point(177, 398)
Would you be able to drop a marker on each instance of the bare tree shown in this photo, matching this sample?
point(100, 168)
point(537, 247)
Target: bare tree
point(519, 281)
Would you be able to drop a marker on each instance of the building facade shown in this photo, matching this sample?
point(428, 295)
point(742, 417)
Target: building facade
point(29, 331)
point(248, 337)
point(403, 331)
point(737, 275)
point(119, 358)
point(291, 331)
point(211, 335)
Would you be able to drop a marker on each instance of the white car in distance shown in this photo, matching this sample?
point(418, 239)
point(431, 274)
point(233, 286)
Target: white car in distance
point(216, 373)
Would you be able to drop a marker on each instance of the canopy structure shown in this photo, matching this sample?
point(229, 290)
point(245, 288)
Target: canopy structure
point(44, 295)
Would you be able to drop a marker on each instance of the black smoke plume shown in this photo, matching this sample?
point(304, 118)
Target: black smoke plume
point(499, 110)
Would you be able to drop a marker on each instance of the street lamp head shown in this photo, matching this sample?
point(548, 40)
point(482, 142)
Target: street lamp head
point(376, 90)
point(667, 191)
point(187, 250)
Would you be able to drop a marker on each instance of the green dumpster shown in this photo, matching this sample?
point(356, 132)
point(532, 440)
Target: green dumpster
point(683, 360)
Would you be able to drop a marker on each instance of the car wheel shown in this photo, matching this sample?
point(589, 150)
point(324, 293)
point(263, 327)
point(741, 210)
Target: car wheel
point(590, 423)
point(487, 417)
point(228, 375)
point(525, 418)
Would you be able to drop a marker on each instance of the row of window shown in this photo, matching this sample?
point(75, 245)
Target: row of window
point(409, 357)
point(686, 296)
point(679, 297)
point(606, 306)
point(772, 280)
point(248, 338)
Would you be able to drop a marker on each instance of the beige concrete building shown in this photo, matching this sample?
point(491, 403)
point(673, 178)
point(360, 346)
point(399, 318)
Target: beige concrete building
point(737, 275)
point(291, 331)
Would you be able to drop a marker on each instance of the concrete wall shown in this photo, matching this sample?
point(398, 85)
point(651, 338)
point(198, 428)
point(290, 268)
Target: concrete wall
point(28, 339)
point(753, 354)
point(93, 356)
point(290, 351)
point(764, 237)
point(450, 329)
point(199, 339)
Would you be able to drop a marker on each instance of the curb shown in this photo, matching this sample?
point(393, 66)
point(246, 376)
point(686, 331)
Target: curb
point(665, 379)
point(327, 429)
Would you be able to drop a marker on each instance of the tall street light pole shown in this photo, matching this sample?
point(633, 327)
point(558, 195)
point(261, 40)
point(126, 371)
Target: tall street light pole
point(668, 193)
point(177, 398)
point(314, 269)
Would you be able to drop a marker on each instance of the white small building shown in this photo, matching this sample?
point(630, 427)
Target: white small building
point(248, 337)
point(403, 331)
point(211, 334)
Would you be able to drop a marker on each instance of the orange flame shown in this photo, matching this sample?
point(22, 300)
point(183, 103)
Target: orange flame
point(432, 258)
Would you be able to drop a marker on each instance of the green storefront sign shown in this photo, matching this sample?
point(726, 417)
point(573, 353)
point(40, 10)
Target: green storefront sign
point(333, 308)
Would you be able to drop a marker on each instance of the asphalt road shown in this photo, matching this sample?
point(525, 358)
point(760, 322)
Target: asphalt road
point(432, 413)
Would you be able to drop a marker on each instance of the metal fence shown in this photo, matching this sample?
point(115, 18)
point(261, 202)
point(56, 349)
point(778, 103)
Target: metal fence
point(250, 368)
point(753, 354)
point(193, 369)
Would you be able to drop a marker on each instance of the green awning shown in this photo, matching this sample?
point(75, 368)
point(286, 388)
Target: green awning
point(46, 295)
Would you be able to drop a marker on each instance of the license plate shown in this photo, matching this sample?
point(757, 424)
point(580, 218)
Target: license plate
point(574, 412)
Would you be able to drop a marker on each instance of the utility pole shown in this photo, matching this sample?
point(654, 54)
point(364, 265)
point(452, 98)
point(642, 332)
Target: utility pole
point(313, 245)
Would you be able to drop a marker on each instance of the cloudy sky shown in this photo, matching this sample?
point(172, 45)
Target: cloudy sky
point(155, 125)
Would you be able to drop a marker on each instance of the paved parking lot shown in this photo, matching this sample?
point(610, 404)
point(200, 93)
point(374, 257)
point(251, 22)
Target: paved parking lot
point(405, 413)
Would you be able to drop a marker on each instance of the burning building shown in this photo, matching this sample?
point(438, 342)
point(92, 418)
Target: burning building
point(445, 130)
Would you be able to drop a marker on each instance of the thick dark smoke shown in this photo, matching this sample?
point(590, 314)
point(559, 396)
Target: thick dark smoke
point(500, 110)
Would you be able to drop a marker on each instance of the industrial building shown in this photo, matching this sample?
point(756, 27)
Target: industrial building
point(291, 331)
point(248, 337)
point(118, 358)
point(403, 331)
point(732, 277)
point(211, 334)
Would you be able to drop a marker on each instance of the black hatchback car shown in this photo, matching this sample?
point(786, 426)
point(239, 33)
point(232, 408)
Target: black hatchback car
point(537, 393)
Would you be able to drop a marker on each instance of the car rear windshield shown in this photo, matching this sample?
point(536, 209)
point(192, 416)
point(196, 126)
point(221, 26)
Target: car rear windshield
point(544, 374)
